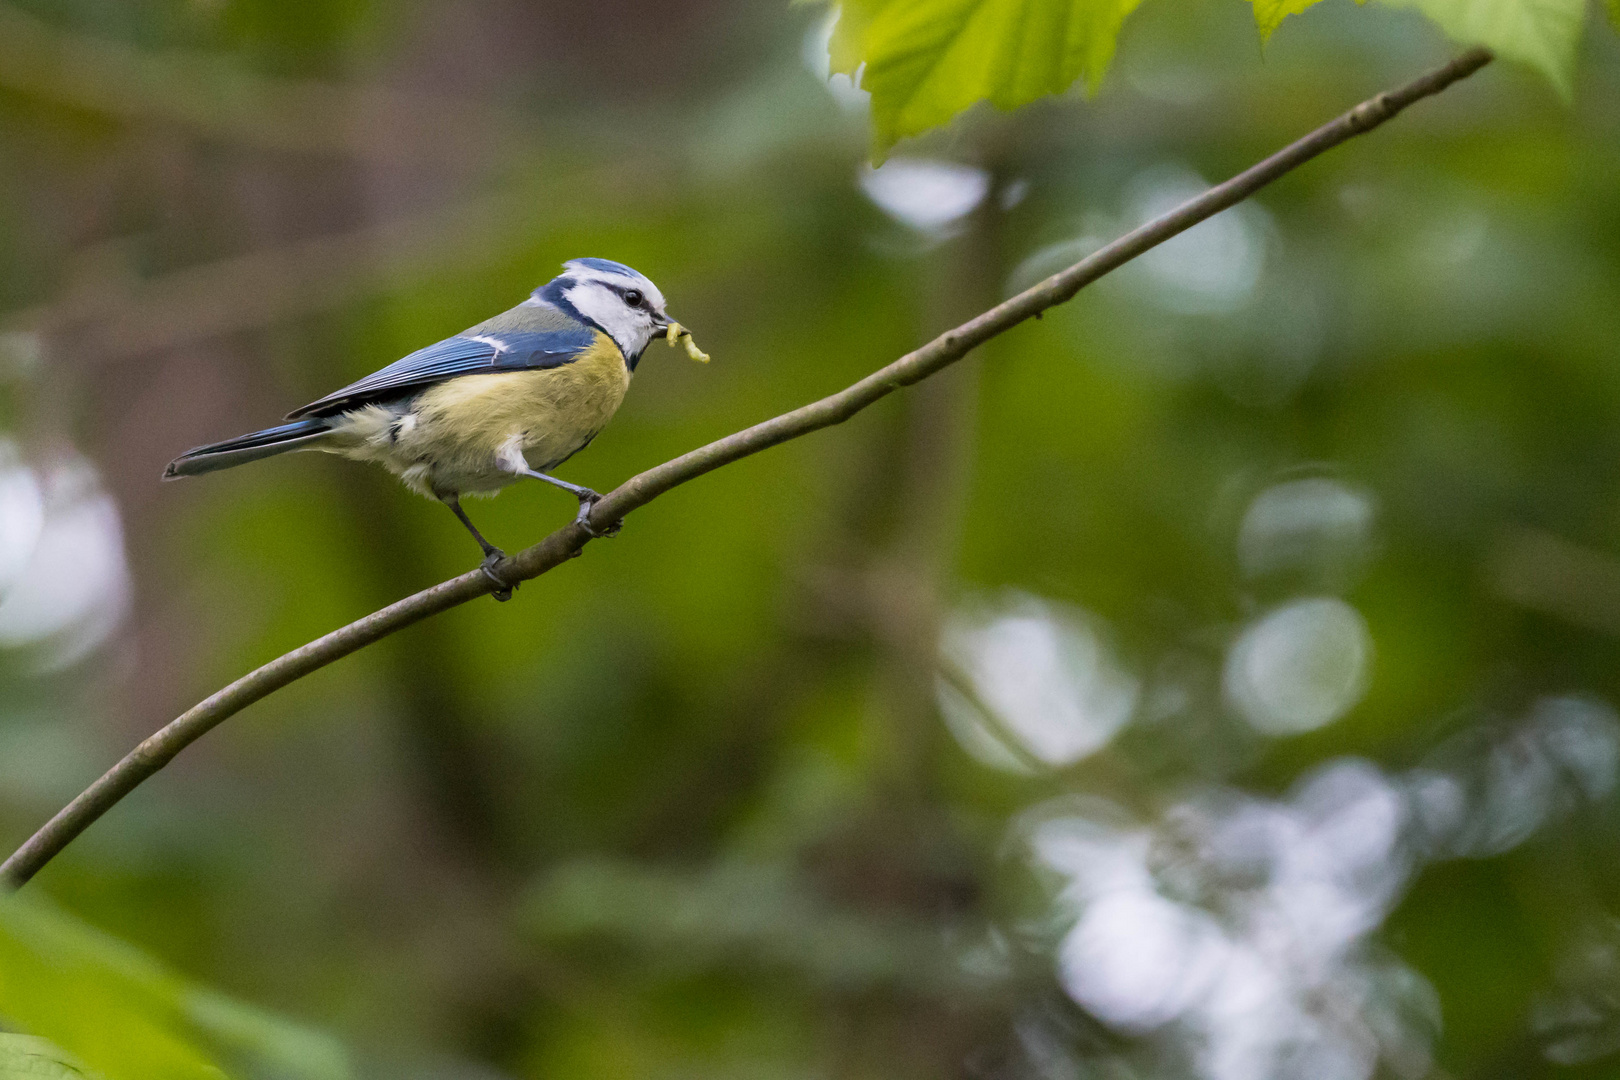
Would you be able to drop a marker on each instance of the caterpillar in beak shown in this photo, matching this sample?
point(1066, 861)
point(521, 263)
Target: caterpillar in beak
point(677, 334)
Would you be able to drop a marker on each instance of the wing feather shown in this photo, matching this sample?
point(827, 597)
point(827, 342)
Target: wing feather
point(464, 354)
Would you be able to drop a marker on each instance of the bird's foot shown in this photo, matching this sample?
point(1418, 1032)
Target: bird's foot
point(503, 588)
point(587, 502)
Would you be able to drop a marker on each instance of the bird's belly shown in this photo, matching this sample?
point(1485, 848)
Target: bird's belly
point(458, 433)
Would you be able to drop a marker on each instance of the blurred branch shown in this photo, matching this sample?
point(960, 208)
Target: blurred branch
point(568, 542)
point(759, 913)
point(215, 95)
point(229, 295)
point(1545, 573)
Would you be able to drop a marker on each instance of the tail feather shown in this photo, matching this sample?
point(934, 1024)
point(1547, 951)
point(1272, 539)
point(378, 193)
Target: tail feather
point(245, 448)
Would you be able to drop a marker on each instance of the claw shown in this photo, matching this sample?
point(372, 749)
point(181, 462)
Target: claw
point(503, 588)
point(583, 520)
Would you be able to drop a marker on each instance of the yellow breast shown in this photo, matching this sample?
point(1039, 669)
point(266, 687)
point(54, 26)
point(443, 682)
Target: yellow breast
point(553, 411)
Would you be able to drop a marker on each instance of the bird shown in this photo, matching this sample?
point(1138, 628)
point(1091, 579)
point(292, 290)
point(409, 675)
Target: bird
point(511, 398)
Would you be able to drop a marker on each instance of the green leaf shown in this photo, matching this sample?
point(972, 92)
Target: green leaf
point(1269, 14)
point(292, 1050)
point(95, 995)
point(928, 60)
point(1543, 34)
point(130, 1018)
point(1614, 13)
point(846, 50)
point(25, 1057)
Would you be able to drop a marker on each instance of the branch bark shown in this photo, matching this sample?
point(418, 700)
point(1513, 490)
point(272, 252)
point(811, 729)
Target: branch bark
point(566, 543)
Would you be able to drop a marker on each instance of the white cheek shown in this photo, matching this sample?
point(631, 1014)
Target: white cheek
point(630, 329)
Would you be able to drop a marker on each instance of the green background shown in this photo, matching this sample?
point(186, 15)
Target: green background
point(1344, 460)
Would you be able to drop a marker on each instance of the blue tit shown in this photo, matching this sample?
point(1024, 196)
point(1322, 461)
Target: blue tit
point(513, 397)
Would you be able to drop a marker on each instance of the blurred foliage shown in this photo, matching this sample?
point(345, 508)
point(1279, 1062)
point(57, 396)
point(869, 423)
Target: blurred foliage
point(27, 1056)
point(121, 1012)
point(1215, 679)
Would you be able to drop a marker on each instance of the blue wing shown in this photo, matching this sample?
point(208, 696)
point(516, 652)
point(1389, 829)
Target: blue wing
point(463, 354)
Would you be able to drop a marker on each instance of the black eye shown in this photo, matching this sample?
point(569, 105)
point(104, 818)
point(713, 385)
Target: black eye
point(633, 297)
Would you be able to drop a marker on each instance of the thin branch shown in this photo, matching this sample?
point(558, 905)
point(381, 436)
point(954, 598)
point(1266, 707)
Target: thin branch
point(567, 542)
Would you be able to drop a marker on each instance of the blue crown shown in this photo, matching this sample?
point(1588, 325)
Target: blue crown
point(607, 266)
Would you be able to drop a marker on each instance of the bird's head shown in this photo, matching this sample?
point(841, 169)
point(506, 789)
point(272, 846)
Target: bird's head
point(622, 303)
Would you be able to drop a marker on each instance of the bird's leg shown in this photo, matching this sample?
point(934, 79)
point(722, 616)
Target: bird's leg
point(587, 499)
point(492, 554)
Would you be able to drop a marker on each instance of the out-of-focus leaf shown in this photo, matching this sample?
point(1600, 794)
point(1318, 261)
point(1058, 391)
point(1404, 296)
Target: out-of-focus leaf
point(128, 1017)
point(1269, 14)
point(25, 1057)
point(1614, 13)
point(928, 60)
point(1543, 34)
point(846, 49)
point(281, 1045)
point(101, 999)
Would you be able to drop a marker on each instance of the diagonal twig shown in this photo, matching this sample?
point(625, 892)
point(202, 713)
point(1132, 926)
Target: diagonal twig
point(159, 749)
point(215, 95)
point(247, 291)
